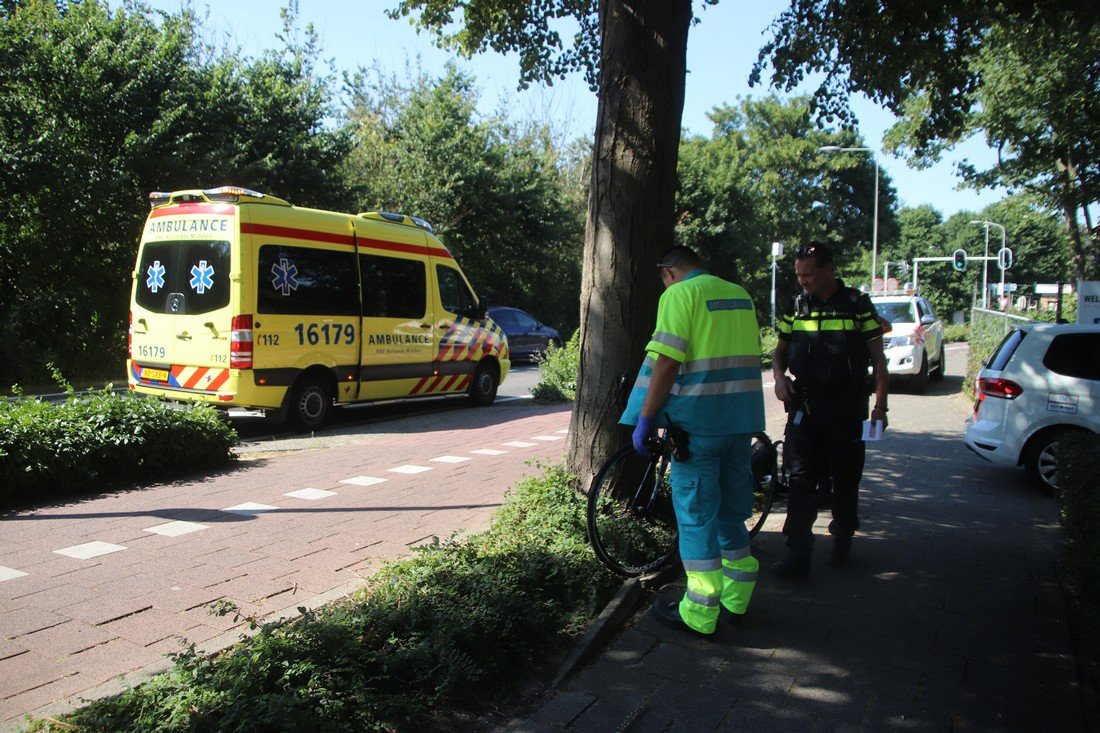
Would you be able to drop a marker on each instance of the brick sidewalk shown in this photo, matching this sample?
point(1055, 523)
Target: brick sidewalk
point(949, 617)
point(107, 586)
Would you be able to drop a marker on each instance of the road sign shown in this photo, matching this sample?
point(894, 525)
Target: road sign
point(877, 284)
point(1004, 258)
point(892, 284)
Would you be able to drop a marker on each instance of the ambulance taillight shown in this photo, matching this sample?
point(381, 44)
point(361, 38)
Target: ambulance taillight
point(130, 338)
point(240, 343)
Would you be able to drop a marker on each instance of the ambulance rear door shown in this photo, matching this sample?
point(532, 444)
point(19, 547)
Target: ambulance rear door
point(181, 318)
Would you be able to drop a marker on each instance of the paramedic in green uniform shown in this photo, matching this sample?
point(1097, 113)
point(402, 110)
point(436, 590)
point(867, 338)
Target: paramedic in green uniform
point(702, 375)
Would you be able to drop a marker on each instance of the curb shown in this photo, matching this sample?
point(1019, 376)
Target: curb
point(621, 607)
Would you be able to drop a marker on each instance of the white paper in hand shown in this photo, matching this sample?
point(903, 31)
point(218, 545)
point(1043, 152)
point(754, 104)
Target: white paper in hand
point(873, 429)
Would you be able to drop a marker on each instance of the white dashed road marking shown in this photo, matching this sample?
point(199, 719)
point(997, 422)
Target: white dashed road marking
point(450, 459)
point(409, 469)
point(310, 494)
point(175, 529)
point(10, 573)
point(249, 507)
point(489, 452)
point(364, 480)
point(89, 550)
point(518, 444)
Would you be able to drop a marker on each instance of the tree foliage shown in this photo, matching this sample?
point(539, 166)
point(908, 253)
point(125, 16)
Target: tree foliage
point(97, 109)
point(761, 178)
point(526, 28)
point(499, 195)
point(1024, 73)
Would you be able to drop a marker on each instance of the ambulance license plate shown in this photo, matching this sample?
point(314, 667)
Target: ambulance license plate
point(154, 375)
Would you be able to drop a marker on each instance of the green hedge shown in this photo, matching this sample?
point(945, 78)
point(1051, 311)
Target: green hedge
point(430, 641)
point(81, 445)
point(1078, 467)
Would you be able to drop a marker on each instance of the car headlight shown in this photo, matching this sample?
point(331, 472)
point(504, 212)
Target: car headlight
point(901, 341)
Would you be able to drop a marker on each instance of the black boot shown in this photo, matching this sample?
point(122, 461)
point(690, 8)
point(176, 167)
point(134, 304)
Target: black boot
point(793, 566)
point(842, 547)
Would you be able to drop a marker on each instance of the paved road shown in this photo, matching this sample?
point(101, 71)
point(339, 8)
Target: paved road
point(950, 616)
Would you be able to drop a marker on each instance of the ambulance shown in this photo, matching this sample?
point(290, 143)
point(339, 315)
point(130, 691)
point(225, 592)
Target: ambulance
point(243, 300)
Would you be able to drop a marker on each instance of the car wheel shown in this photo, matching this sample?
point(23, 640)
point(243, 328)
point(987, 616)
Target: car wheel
point(483, 387)
point(1041, 459)
point(920, 379)
point(941, 366)
point(310, 404)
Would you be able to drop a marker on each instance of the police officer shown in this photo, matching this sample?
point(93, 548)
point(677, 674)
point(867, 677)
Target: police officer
point(827, 342)
point(702, 375)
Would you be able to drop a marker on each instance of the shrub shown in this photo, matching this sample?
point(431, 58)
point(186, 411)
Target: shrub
point(1078, 467)
point(768, 341)
point(953, 333)
point(558, 369)
point(458, 625)
point(50, 450)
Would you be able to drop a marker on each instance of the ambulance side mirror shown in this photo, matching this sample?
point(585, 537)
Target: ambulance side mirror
point(480, 310)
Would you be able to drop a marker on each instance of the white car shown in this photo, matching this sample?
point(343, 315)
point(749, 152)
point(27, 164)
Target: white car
point(914, 346)
point(1041, 381)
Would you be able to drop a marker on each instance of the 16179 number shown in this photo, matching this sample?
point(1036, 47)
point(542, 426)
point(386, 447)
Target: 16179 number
point(330, 334)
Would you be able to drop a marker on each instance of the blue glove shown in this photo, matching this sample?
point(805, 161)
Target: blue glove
point(642, 432)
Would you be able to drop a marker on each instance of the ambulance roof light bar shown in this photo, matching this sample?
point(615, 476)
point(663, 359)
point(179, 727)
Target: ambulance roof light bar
point(399, 219)
point(231, 193)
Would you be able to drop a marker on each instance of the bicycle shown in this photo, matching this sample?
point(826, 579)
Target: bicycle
point(630, 518)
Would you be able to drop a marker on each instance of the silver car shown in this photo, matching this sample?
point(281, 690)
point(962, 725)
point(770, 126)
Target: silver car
point(1040, 382)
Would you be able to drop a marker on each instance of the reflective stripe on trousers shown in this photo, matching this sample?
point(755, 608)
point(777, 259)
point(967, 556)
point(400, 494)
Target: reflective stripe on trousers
point(728, 581)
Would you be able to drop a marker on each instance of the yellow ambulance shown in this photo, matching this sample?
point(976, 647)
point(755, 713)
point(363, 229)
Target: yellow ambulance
point(242, 300)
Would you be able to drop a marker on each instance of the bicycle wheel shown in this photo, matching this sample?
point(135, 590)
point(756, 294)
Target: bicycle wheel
point(765, 480)
point(631, 522)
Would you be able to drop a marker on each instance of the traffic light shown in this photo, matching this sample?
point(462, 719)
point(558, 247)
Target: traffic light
point(960, 260)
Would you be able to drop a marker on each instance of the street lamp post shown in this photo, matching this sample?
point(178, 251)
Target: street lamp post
point(874, 232)
point(777, 252)
point(985, 259)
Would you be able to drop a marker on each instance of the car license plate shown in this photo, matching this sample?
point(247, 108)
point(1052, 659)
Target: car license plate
point(154, 375)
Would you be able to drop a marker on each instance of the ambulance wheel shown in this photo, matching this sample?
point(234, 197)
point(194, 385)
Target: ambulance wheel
point(310, 404)
point(483, 387)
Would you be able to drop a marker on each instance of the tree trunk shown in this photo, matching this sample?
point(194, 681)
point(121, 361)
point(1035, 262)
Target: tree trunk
point(643, 62)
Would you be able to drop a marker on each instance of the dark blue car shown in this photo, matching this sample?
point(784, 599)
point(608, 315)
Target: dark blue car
point(527, 336)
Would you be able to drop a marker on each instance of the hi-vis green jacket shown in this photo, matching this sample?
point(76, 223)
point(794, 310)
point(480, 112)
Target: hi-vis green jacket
point(709, 326)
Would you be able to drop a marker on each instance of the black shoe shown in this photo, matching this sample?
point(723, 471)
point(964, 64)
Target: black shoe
point(793, 566)
point(842, 547)
point(668, 613)
point(727, 616)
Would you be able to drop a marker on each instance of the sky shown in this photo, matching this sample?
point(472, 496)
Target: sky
point(722, 48)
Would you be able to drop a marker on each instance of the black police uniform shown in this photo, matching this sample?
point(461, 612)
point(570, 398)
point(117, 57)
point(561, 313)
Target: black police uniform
point(827, 354)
